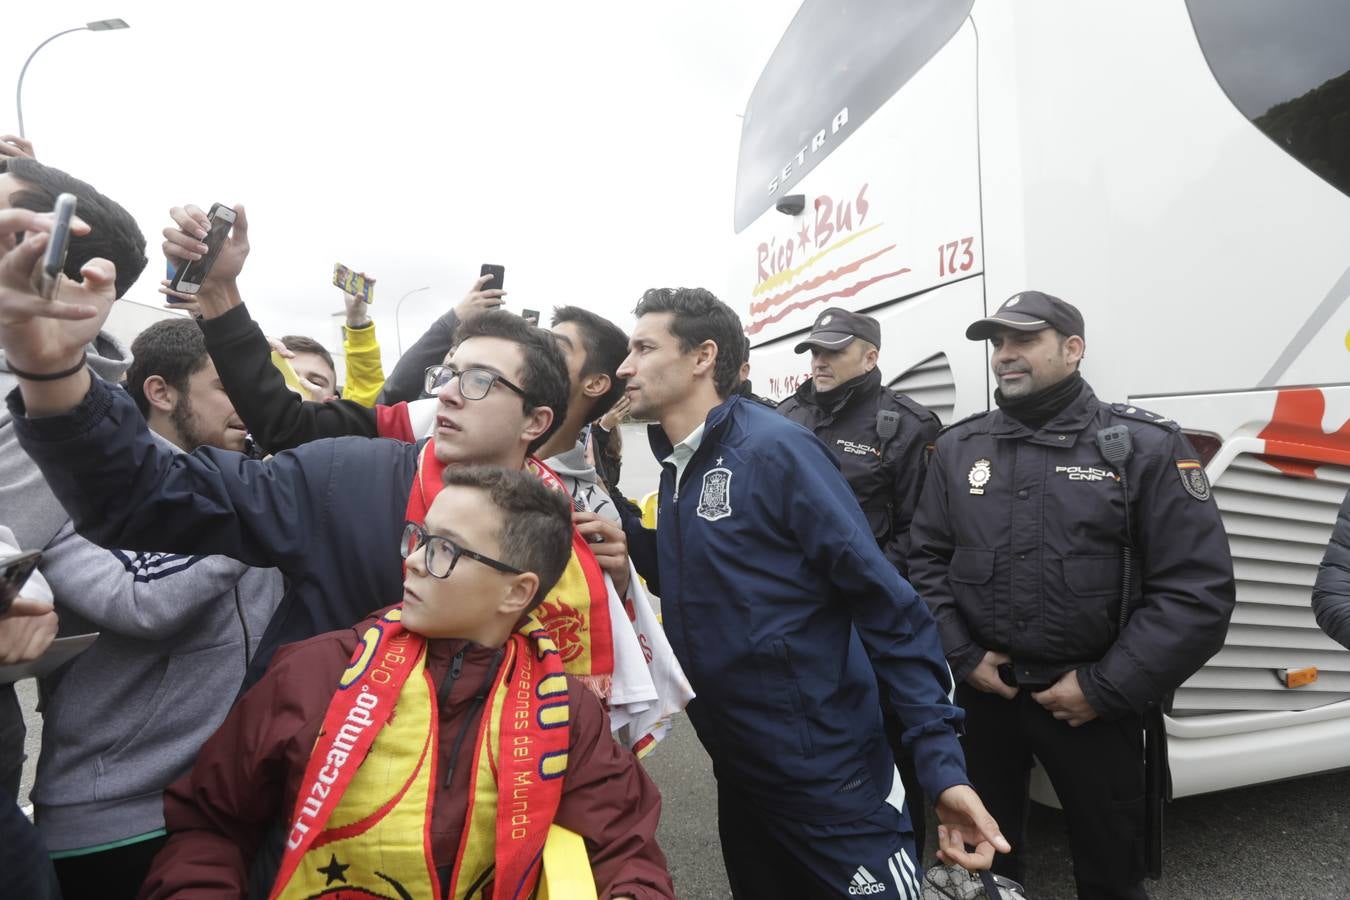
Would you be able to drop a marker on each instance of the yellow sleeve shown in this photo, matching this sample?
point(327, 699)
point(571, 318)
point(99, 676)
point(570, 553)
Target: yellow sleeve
point(365, 373)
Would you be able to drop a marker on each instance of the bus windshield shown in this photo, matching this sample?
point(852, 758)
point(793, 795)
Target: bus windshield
point(833, 68)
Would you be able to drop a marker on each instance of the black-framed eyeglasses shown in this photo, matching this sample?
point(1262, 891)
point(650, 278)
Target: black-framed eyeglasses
point(443, 553)
point(474, 383)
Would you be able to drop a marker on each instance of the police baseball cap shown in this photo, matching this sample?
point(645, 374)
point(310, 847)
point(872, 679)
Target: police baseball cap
point(836, 328)
point(1030, 311)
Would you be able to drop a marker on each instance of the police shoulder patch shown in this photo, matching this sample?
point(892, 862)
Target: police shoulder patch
point(1193, 478)
point(1129, 411)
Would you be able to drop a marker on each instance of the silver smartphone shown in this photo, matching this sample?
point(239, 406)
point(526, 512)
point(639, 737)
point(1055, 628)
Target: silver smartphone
point(189, 278)
point(54, 258)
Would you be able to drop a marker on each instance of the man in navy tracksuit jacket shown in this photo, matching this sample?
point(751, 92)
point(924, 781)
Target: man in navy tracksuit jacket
point(775, 597)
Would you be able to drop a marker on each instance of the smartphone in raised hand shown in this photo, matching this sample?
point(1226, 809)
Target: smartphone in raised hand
point(54, 257)
point(355, 283)
point(498, 280)
point(190, 277)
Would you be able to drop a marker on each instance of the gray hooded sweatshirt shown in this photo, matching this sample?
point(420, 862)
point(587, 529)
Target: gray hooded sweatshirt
point(583, 483)
point(26, 503)
point(127, 716)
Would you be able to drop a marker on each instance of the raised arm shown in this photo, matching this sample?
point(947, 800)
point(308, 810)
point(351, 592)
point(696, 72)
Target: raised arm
point(365, 370)
point(404, 384)
point(278, 418)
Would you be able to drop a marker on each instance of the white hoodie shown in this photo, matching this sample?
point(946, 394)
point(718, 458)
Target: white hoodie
point(649, 687)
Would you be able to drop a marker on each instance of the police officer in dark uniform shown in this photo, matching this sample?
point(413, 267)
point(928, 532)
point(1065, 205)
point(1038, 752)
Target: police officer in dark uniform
point(881, 439)
point(1079, 572)
point(879, 436)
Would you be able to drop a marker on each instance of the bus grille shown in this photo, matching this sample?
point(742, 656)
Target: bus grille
point(1278, 529)
point(931, 384)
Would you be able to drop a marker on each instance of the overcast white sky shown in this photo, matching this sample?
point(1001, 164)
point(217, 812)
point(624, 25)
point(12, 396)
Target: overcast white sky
point(590, 148)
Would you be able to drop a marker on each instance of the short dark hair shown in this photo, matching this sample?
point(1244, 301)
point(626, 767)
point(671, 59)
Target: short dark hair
point(536, 532)
point(699, 316)
point(113, 232)
point(298, 343)
point(173, 349)
point(606, 349)
point(544, 380)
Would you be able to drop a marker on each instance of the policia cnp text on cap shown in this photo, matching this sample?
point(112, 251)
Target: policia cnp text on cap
point(1036, 518)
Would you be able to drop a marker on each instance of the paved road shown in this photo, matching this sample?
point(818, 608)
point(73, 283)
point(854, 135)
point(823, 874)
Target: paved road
point(1288, 841)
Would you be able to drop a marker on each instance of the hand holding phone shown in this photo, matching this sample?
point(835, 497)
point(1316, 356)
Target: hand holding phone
point(358, 284)
point(54, 257)
point(189, 278)
point(480, 297)
point(497, 279)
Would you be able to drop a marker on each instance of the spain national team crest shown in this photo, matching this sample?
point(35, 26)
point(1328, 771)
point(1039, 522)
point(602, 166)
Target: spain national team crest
point(980, 475)
point(1193, 478)
point(715, 501)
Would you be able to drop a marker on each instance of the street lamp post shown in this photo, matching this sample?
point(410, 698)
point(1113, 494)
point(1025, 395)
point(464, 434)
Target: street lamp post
point(100, 25)
point(398, 335)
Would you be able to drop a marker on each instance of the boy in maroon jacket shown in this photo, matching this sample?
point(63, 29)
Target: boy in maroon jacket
point(426, 752)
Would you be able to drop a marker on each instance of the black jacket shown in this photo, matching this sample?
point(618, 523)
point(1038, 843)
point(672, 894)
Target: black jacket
point(1331, 593)
point(1032, 565)
point(276, 416)
point(886, 474)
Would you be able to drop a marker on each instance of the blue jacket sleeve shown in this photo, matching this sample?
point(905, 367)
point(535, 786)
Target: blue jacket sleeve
point(896, 628)
point(124, 490)
point(641, 543)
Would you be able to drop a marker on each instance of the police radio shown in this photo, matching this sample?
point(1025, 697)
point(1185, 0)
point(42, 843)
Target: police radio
point(1116, 446)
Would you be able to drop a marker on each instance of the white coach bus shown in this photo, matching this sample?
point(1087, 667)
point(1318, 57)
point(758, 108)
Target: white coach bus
point(1180, 170)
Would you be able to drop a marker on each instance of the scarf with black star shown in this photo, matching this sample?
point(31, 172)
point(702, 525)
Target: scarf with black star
point(362, 819)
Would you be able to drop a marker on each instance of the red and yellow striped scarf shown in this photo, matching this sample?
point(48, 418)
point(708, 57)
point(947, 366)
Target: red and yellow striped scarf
point(576, 611)
point(361, 823)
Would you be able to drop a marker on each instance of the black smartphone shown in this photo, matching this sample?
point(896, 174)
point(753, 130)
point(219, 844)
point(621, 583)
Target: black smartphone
point(531, 316)
point(189, 278)
point(14, 572)
point(498, 280)
point(54, 258)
